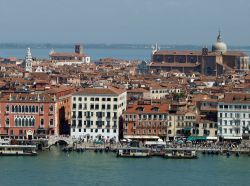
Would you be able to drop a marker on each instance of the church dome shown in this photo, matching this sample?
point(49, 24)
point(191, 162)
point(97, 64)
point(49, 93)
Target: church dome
point(219, 46)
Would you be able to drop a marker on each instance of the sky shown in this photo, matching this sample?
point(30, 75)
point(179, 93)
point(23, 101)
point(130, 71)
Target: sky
point(125, 21)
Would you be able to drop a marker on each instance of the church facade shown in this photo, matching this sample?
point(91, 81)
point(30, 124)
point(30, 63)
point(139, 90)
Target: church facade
point(215, 62)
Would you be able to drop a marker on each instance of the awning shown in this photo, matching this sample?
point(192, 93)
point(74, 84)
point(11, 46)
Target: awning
point(232, 137)
point(140, 137)
point(194, 138)
point(211, 138)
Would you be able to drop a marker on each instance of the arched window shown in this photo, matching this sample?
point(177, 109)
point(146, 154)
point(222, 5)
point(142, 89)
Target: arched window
point(26, 109)
point(19, 108)
point(23, 108)
point(41, 108)
point(33, 108)
point(51, 108)
point(42, 122)
point(33, 122)
point(30, 108)
point(16, 122)
point(36, 108)
point(26, 122)
point(7, 121)
point(51, 122)
point(7, 108)
point(16, 108)
point(12, 108)
point(22, 122)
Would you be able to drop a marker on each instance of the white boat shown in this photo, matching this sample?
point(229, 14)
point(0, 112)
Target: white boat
point(180, 154)
point(18, 150)
point(134, 152)
point(5, 141)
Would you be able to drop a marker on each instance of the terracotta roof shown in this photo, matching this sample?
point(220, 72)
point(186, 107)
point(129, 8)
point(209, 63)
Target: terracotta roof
point(65, 54)
point(177, 52)
point(236, 97)
point(153, 108)
point(98, 91)
point(23, 97)
point(157, 64)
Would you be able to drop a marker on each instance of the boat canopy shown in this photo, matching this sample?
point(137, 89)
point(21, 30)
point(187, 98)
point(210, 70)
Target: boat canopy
point(233, 137)
point(141, 137)
point(195, 138)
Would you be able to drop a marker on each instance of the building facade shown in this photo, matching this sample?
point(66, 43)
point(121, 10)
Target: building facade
point(214, 62)
point(96, 113)
point(147, 121)
point(28, 116)
point(234, 116)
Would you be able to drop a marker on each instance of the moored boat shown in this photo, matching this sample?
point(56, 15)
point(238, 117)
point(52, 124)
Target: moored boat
point(18, 150)
point(180, 154)
point(134, 152)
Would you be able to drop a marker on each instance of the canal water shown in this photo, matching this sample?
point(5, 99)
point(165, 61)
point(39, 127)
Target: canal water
point(56, 168)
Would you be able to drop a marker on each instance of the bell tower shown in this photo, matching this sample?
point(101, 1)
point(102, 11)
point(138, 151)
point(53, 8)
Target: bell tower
point(28, 61)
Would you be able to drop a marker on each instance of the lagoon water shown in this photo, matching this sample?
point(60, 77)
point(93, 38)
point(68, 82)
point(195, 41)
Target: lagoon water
point(133, 52)
point(56, 168)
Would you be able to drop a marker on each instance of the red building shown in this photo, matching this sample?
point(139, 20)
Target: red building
point(28, 116)
point(145, 121)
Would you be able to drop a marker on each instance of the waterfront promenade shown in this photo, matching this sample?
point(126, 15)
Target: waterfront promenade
point(77, 145)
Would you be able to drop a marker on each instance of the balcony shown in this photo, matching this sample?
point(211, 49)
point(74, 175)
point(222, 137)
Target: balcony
point(99, 126)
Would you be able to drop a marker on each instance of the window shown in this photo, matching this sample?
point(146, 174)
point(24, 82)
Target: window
point(74, 98)
point(51, 108)
point(103, 107)
point(92, 99)
point(108, 107)
point(115, 99)
point(96, 99)
point(42, 122)
point(51, 122)
point(80, 99)
point(7, 108)
point(115, 107)
point(7, 121)
point(41, 108)
point(108, 99)
point(74, 106)
point(96, 107)
point(103, 99)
